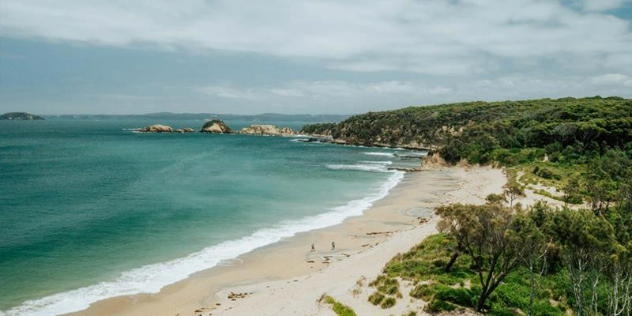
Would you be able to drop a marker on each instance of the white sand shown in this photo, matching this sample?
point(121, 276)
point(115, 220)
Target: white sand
point(300, 295)
point(288, 279)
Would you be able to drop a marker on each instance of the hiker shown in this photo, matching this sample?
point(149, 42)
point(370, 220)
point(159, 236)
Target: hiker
point(313, 248)
point(333, 245)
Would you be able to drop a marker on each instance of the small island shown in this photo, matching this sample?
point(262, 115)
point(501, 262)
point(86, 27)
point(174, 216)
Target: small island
point(157, 128)
point(20, 116)
point(216, 127)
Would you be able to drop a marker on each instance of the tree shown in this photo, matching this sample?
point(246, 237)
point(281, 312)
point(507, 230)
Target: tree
point(457, 220)
point(532, 245)
point(619, 275)
point(482, 231)
point(571, 190)
point(585, 239)
point(512, 191)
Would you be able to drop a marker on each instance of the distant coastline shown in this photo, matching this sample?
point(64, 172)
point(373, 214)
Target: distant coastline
point(20, 116)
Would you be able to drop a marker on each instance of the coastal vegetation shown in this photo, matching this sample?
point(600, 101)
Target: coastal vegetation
point(502, 258)
point(338, 308)
point(20, 116)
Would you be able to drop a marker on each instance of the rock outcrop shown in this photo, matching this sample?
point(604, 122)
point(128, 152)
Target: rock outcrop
point(156, 128)
point(216, 127)
point(269, 130)
point(184, 130)
point(20, 116)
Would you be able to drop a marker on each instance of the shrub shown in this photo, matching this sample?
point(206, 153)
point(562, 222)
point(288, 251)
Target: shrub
point(388, 302)
point(423, 292)
point(376, 298)
point(437, 306)
point(460, 296)
point(340, 309)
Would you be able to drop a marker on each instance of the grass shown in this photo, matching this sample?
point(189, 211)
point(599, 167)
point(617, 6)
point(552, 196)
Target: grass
point(560, 173)
point(387, 292)
point(424, 265)
point(338, 308)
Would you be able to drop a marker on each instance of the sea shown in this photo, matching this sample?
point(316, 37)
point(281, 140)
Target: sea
point(91, 209)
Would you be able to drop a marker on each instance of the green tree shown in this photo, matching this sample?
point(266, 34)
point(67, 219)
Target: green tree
point(585, 240)
point(532, 245)
point(484, 236)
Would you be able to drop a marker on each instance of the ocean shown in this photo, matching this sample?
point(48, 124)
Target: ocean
point(91, 209)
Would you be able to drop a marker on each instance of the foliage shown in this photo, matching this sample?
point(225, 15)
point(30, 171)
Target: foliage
point(509, 132)
point(387, 290)
point(538, 261)
point(338, 308)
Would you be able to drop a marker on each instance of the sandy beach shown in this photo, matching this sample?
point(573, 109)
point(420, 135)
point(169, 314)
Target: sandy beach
point(287, 278)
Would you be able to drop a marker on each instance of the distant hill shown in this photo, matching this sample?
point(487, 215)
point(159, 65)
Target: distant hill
point(482, 131)
point(20, 116)
point(269, 117)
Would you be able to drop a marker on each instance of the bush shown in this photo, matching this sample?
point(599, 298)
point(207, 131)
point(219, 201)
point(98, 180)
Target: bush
point(504, 312)
point(376, 298)
point(423, 292)
point(340, 309)
point(460, 296)
point(546, 173)
point(575, 199)
point(437, 306)
point(388, 303)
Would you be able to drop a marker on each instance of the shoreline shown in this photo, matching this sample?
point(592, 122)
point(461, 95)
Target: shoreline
point(404, 217)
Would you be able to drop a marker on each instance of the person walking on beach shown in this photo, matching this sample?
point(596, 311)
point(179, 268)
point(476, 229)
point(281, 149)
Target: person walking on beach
point(333, 245)
point(313, 248)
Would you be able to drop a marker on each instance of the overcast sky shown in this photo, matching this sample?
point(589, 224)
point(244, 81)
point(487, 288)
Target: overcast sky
point(248, 57)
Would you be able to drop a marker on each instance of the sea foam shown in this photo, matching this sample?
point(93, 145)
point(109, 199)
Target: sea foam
point(360, 167)
point(151, 278)
point(380, 154)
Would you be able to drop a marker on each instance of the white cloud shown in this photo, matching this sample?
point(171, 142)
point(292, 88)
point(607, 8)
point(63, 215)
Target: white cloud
point(459, 38)
point(331, 96)
point(287, 92)
point(613, 79)
point(229, 93)
point(602, 5)
point(403, 52)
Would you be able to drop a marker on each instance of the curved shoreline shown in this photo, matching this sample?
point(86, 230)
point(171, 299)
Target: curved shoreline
point(160, 275)
point(393, 219)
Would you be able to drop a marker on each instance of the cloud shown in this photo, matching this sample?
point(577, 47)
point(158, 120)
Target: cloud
point(229, 93)
point(602, 5)
point(330, 96)
point(442, 37)
point(287, 92)
point(613, 79)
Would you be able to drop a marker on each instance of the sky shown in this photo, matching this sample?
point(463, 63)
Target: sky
point(306, 57)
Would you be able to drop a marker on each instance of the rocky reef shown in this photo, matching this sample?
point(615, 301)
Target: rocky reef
point(216, 127)
point(157, 128)
point(20, 116)
point(268, 130)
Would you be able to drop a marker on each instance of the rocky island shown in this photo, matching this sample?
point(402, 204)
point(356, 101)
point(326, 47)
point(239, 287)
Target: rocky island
point(157, 128)
point(20, 116)
point(216, 127)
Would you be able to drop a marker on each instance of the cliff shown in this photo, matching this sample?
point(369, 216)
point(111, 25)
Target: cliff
point(20, 116)
point(269, 130)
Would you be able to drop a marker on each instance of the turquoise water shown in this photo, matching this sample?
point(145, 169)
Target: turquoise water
point(90, 209)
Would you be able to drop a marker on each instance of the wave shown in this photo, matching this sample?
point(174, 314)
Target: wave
point(151, 278)
point(381, 162)
point(359, 167)
point(380, 154)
